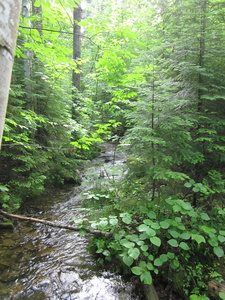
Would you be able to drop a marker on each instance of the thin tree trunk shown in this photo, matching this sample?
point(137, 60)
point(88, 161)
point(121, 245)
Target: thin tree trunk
point(201, 58)
point(9, 21)
point(37, 65)
point(28, 60)
point(201, 53)
point(153, 127)
point(150, 292)
point(76, 46)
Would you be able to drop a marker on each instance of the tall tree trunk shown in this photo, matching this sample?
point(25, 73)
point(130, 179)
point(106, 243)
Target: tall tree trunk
point(77, 46)
point(37, 65)
point(201, 58)
point(9, 22)
point(28, 60)
point(153, 127)
point(201, 52)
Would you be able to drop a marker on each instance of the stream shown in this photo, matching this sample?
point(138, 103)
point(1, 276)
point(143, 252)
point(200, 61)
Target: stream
point(40, 262)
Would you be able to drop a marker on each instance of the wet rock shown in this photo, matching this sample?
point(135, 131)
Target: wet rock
point(7, 243)
point(9, 275)
point(6, 225)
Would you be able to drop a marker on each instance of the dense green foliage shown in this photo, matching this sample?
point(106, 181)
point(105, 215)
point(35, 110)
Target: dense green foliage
point(154, 82)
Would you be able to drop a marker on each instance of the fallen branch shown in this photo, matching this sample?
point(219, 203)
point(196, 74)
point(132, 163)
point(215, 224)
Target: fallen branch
point(53, 224)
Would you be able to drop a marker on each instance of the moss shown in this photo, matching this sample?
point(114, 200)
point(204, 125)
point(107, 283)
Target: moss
point(6, 225)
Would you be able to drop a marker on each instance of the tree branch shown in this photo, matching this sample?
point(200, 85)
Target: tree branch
point(53, 224)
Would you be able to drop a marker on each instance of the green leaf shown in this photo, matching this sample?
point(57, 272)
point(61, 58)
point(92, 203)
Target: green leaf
point(137, 270)
point(127, 219)
point(84, 23)
point(204, 216)
point(140, 243)
point(213, 241)
point(103, 222)
point(174, 233)
point(155, 225)
point(169, 201)
point(185, 236)
point(207, 229)
point(221, 238)
point(128, 260)
point(146, 278)
point(222, 295)
point(127, 243)
point(158, 262)
point(143, 227)
point(152, 215)
point(113, 221)
point(198, 297)
point(175, 264)
point(218, 251)
point(198, 238)
point(184, 246)
point(176, 208)
point(170, 255)
point(150, 257)
point(164, 224)
point(150, 266)
point(3, 188)
point(134, 238)
point(148, 222)
point(164, 257)
point(134, 252)
point(106, 253)
point(173, 243)
point(143, 236)
point(151, 232)
point(144, 247)
point(155, 241)
point(178, 219)
point(192, 214)
point(196, 189)
point(37, 3)
point(186, 205)
point(188, 184)
point(142, 264)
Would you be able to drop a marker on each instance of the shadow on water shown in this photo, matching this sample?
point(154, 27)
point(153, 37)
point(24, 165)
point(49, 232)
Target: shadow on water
point(40, 262)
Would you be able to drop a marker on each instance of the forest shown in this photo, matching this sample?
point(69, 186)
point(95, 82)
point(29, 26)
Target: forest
point(147, 76)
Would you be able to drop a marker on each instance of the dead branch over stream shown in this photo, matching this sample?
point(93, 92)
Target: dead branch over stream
point(53, 224)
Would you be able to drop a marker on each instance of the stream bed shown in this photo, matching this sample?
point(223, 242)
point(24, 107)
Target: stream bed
point(40, 262)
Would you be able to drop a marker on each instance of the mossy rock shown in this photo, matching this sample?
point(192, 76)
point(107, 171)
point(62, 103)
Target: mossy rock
point(6, 225)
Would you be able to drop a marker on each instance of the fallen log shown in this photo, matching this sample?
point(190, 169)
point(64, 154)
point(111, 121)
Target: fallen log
point(54, 224)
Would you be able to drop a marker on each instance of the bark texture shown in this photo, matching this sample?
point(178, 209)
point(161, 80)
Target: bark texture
point(9, 21)
point(77, 46)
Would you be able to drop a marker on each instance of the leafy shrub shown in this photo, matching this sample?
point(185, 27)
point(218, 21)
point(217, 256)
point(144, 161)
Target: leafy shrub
point(178, 241)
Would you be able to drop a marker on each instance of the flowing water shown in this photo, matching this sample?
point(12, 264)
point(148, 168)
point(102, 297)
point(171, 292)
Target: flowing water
point(40, 262)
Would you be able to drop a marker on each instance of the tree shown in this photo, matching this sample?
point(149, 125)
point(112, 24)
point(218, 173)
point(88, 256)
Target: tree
point(76, 46)
point(10, 10)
